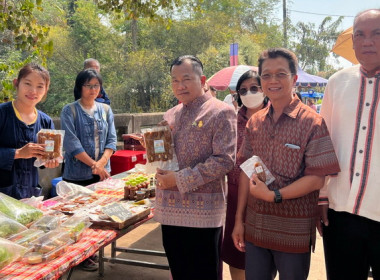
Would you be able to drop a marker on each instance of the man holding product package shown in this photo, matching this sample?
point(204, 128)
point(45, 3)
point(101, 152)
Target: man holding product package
point(276, 223)
point(190, 203)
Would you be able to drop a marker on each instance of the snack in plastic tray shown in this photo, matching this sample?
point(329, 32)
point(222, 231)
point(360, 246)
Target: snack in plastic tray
point(9, 226)
point(47, 223)
point(53, 139)
point(21, 212)
point(10, 252)
point(48, 247)
point(255, 165)
point(25, 237)
point(76, 225)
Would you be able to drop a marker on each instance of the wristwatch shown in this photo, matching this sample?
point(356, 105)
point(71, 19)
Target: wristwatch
point(277, 196)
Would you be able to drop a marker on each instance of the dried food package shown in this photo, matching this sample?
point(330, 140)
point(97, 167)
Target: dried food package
point(255, 165)
point(53, 139)
point(160, 147)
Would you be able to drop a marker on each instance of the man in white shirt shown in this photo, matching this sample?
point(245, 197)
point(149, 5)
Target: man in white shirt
point(351, 212)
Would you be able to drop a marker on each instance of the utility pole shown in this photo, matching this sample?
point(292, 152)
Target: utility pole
point(285, 23)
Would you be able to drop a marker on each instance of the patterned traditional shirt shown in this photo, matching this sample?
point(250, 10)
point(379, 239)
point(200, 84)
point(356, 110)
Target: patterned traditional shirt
point(204, 133)
point(288, 226)
point(350, 108)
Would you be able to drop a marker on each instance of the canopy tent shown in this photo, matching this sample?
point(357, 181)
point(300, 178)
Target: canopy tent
point(305, 79)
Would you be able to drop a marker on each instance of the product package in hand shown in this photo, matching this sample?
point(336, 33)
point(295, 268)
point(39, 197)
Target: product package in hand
point(53, 139)
point(160, 148)
point(255, 165)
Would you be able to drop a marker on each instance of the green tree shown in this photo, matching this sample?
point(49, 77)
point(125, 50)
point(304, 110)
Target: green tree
point(312, 45)
point(23, 34)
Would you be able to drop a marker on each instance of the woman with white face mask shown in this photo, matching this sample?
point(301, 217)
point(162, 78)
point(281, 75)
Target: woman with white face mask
point(250, 99)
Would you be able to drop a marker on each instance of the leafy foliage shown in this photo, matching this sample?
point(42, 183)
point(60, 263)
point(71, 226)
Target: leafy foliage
point(136, 40)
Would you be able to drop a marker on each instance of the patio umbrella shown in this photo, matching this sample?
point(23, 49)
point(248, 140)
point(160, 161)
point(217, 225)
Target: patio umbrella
point(343, 46)
point(229, 76)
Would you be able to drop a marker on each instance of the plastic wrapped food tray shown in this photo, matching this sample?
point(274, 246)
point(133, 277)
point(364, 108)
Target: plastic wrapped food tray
point(48, 247)
point(47, 223)
point(26, 237)
point(76, 226)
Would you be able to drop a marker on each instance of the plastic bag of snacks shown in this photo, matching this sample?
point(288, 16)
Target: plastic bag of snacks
point(53, 139)
point(19, 211)
point(9, 226)
point(160, 148)
point(67, 190)
point(255, 165)
point(10, 252)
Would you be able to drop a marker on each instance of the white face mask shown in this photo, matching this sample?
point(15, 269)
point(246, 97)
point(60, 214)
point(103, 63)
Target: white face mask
point(252, 100)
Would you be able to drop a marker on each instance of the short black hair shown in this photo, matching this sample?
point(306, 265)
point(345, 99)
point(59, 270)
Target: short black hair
point(83, 77)
point(279, 52)
point(195, 62)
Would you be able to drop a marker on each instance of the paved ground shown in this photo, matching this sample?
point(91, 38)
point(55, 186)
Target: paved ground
point(148, 236)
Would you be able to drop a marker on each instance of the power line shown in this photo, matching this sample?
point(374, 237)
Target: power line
point(310, 13)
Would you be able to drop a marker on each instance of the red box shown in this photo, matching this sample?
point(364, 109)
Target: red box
point(124, 160)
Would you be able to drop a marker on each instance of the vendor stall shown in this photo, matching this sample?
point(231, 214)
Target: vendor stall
point(111, 216)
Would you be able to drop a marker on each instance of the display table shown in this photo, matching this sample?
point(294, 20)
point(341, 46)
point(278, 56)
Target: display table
point(124, 160)
point(89, 244)
point(94, 239)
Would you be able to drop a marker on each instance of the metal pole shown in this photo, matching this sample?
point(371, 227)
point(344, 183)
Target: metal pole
point(284, 22)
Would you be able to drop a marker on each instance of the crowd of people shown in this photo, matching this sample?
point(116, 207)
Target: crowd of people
point(323, 165)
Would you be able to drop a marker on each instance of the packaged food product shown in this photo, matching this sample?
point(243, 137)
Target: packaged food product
point(76, 225)
point(48, 247)
point(10, 252)
point(9, 226)
point(47, 223)
point(255, 165)
point(260, 172)
point(53, 139)
point(160, 148)
point(25, 237)
point(19, 211)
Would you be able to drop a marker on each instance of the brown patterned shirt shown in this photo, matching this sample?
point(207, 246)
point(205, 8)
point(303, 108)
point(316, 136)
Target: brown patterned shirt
point(288, 226)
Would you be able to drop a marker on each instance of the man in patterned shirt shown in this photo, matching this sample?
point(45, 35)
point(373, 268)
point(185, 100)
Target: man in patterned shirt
point(351, 216)
point(276, 223)
point(190, 203)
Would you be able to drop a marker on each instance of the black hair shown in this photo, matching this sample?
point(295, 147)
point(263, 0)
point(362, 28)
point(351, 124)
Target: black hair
point(248, 75)
point(83, 77)
point(195, 62)
point(279, 52)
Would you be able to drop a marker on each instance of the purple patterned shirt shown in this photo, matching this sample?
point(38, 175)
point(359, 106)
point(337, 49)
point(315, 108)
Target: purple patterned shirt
point(204, 133)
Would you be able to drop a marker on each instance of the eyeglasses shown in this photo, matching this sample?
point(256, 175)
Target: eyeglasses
point(88, 86)
point(277, 76)
point(252, 89)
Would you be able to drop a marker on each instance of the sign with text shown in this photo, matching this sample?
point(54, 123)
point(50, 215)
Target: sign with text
point(117, 212)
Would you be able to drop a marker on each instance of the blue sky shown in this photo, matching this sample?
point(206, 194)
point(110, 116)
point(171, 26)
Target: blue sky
point(315, 11)
point(347, 8)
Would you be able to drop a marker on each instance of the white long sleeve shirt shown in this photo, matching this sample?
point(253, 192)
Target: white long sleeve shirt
point(351, 110)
